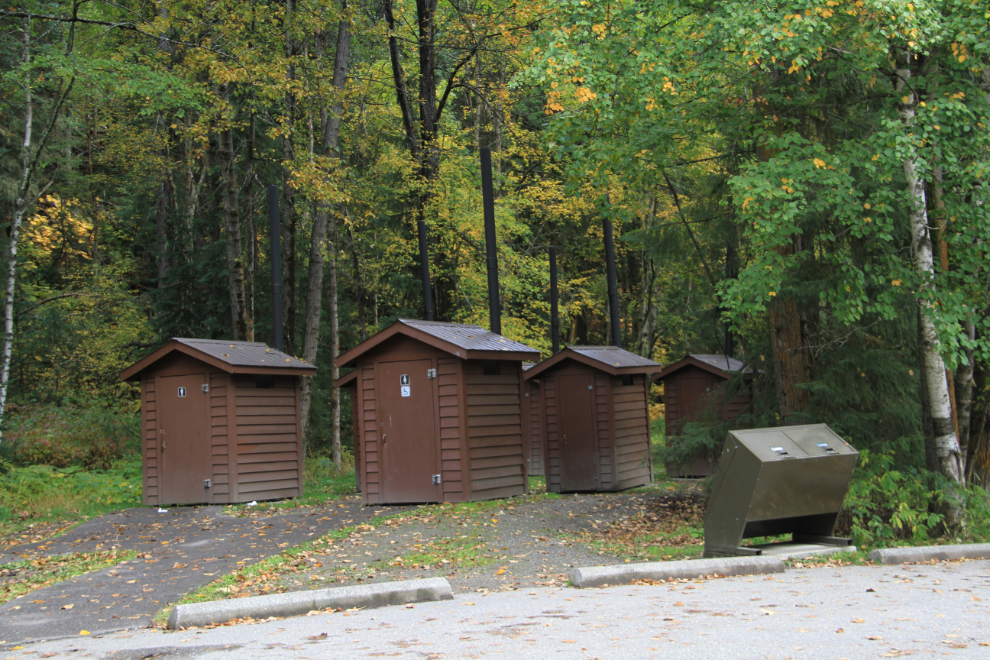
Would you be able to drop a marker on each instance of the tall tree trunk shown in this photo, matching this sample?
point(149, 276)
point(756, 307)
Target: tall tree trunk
point(23, 199)
point(334, 346)
point(939, 215)
point(648, 277)
point(289, 215)
point(322, 219)
point(943, 441)
point(232, 228)
point(963, 387)
point(252, 242)
point(413, 141)
point(162, 208)
point(789, 362)
point(359, 293)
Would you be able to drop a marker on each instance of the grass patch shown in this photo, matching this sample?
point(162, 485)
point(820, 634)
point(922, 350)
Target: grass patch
point(858, 558)
point(671, 527)
point(322, 483)
point(22, 577)
point(465, 549)
point(43, 497)
point(270, 568)
point(445, 553)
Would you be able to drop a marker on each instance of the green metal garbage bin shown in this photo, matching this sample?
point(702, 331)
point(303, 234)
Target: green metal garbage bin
point(790, 479)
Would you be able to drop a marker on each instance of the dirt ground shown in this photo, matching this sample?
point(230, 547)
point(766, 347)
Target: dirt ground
point(510, 544)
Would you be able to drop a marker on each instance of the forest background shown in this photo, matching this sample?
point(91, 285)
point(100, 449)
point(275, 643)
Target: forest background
point(806, 181)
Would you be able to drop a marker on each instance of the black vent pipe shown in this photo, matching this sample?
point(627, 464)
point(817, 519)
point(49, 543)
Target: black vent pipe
point(554, 314)
point(276, 250)
point(613, 290)
point(488, 201)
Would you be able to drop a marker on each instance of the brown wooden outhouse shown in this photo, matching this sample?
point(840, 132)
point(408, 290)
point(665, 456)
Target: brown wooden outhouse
point(596, 418)
point(220, 422)
point(688, 387)
point(439, 413)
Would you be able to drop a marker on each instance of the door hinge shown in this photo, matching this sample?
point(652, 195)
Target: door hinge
point(436, 480)
point(431, 374)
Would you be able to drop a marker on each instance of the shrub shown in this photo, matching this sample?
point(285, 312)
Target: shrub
point(885, 505)
point(64, 436)
point(41, 491)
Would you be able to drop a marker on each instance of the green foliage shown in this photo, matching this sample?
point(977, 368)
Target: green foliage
point(85, 436)
point(44, 492)
point(22, 577)
point(885, 505)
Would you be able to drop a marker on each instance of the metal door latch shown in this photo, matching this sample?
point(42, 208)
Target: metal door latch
point(431, 374)
point(436, 480)
point(207, 483)
point(205, 389)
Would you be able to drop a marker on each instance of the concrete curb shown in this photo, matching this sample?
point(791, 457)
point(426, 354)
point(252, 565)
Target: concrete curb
point(597, 576)
point(295, 603)
point(930, 552)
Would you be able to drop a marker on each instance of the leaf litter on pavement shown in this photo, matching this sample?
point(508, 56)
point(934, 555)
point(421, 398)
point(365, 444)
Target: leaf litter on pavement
point(490, 546)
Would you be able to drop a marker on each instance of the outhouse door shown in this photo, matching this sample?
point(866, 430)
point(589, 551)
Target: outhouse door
point(579, 447)
point(691, 395)
point(184, 439)
point(409, 437)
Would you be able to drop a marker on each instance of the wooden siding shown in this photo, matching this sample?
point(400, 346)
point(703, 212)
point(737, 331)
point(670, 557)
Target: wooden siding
point(356, 431)
point(449, 400)
point(551, 454)
point(677, 411)
point(535, 429)
point(365, 391)
point(224, 451)
point(494, 430)
point(631, 415)
point(149, 433)
point(268, 464)
point(605, 467)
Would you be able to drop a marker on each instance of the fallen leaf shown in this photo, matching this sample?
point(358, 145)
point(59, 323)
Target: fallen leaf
point(67, 607)
point(875, 638)
point(500, 571)
point(83, 632)
point(840, 630)
point(858, 621)
point(322, 635)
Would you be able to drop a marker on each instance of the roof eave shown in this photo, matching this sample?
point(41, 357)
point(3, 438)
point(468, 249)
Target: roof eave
point(693, 362)
point(568, 354)
point(347, 379)
point(349, 358)
point(173, 345)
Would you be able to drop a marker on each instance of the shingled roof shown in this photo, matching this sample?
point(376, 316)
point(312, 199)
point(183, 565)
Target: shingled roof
point(235, 357)
point(720, 365)
point(610, 359)
point(471, 342)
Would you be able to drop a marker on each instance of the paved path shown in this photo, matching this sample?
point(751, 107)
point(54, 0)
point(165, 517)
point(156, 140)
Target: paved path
point(851, 612)
point(181, 550)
